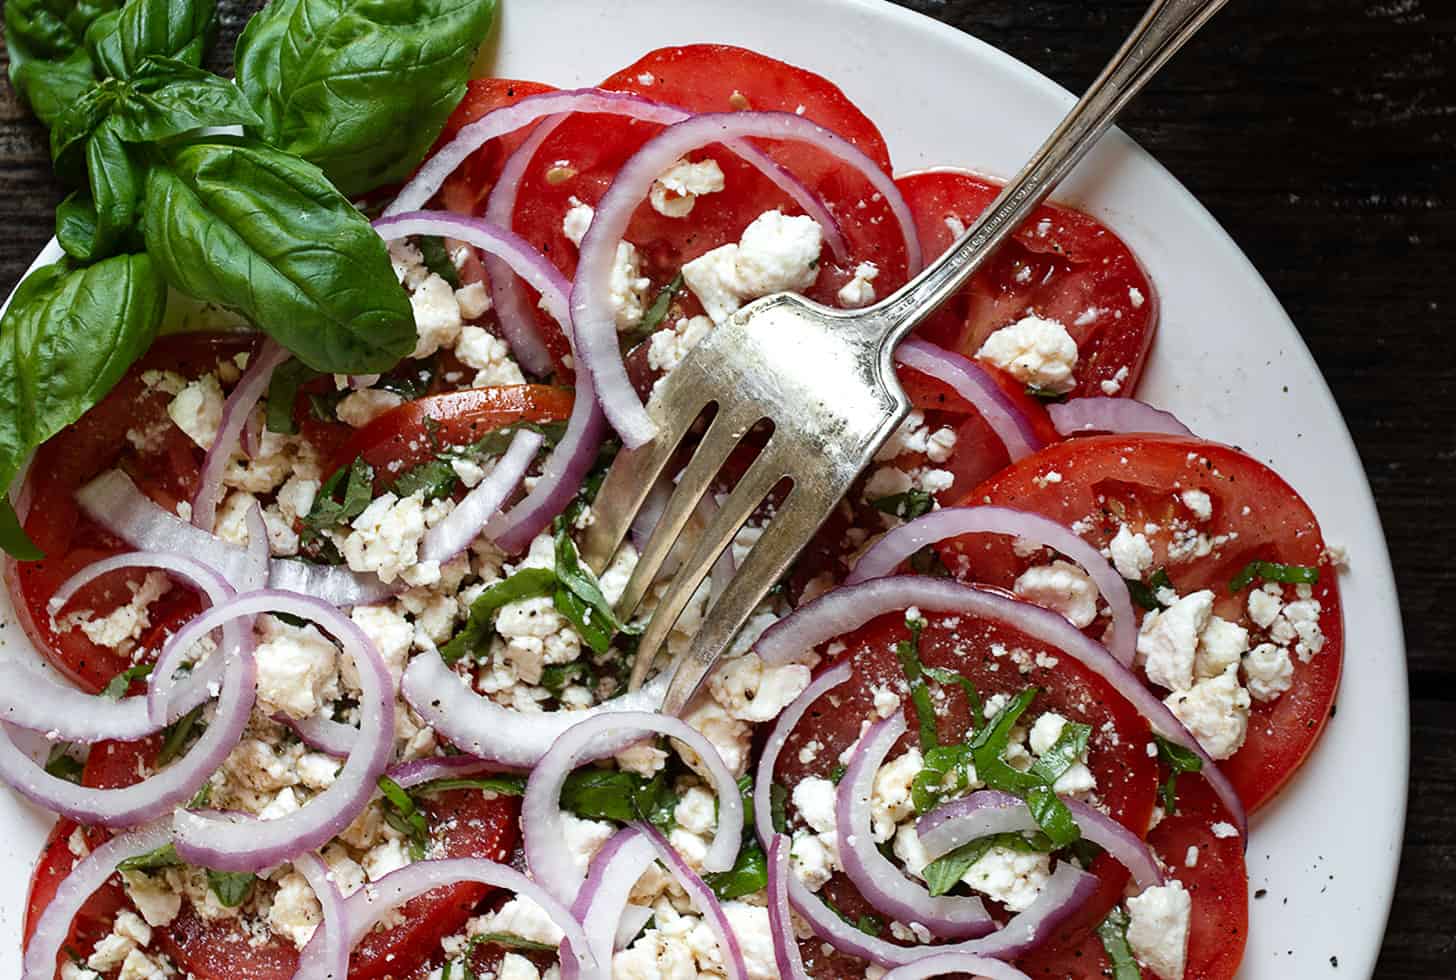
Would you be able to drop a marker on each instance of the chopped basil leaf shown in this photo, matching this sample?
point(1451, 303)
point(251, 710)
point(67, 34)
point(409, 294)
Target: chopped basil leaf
point(870, 925)
point(201, 798)
point(1147, 595)
point(778, 799)
point(510, 941)
point(176, 735)
point(1273, 571)
point(946, 871)
point(163, 857)
point(947, 770)
point(949, 678)
point(230, 887)
point(988, 750)
point(329, 511)
point(479, 627)
point(614, 794)
point(117, 687)
point(61, 764)
point(324, 405)
point(504, 785)
point(1113, 933)
point(748, 874)
point(927, 561)
point(1178, 760)
point(401, 813)
point(556, 677)
point(907, 506)
point(656, 313)
point(283, 387)
point(837, 773)
point(579, 598)
point(908, 652)
point(437, 477)
point(437, 259)
point(409, 382)
point(1044, 394)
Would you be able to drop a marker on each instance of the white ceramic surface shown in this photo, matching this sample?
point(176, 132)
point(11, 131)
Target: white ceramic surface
point(1228, 361)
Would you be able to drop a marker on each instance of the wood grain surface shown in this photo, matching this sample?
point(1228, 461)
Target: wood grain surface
point(1321, 134)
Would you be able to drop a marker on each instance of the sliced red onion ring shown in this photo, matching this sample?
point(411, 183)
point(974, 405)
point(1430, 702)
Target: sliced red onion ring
point(1083, 415)
point(987, 812)
point(420, 771)
point(884, 885)
point(547, 855)
point(591, 311)
point(850, 607)
point(53, 928)
point(780, 922)
point(972, 383)
point(328, 958)
point(477, 725)
point(364, 909)
point(900, 543)
point(154, 796)
point(568, 464)
point(432, 175)
point(956, 964)
point(702, 896)
point(322, 734)
point(236, 412)
point(460, 527)
point(113, 501)
point(232, 842)
point(601, 904)
point(1067, 887)
point(258, 549)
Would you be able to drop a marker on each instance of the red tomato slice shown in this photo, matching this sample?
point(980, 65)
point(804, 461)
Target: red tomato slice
point(1218, 884)
point(467, 188)
point(413, 432)
point(580, 159)
point(1106, 480)
point(1126, 777)
point(1062, 264)
point(56, 861)
point(98, 441)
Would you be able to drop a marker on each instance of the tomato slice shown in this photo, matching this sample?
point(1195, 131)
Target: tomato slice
point(581, 158)
point(1110, 480)
point(1217, 883)
point(1062, 264)
point(56, 861)
point(977, 649)
point(412, 433)
point(465, 191)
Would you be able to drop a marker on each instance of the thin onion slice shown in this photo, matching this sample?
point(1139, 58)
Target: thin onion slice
point(328, 958)
point(848, 608)
point(460, 527)
point(154, 796)
point(420, 771)
point(547, 855)
point(780, 921)
point(232, 842)
point(956, 964)
point(988, 812)
point(1067, 888)
point(258, 549)
point(702, 897)
point(516, 739)
point(322, 734)
point(113, 501)
point(601, 905)
point(900, 543)
point(972, 383)
point(879, 880)
point(236, 413)
point(368, 906)
point(591, 308)
point(53, 928)
point(1080, 416)
point(567, 465)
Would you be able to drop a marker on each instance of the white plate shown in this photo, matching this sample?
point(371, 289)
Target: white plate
point(1228, 361)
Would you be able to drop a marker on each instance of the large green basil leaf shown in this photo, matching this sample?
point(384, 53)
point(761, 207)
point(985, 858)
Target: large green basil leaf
point(181, 29)
point(238, 223)
point(67, 338)
point(52, 87)
point(90, 225)
point(48, 29)
point(168, 97)
point(75, 126)
point(359, 87)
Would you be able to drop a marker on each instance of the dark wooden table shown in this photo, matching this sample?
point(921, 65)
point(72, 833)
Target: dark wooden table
point(1321, 134)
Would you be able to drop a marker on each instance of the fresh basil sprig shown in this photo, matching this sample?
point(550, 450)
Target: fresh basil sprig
point(1113, 933)
point(122, 41)
point(67, 338)
point(360, 88)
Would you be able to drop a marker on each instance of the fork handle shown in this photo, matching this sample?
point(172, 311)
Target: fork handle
point(1165, 28)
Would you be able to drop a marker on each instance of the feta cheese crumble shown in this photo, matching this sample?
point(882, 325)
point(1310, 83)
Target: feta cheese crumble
point(1035, 351)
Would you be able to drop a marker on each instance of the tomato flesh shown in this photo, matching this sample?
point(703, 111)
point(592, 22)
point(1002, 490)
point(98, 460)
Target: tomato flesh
point(1062, 264)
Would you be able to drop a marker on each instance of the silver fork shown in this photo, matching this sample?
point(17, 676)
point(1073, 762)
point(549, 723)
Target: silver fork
point(824, 380)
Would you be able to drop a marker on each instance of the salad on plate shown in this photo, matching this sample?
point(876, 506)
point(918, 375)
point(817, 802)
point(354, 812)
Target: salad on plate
point(303, 430)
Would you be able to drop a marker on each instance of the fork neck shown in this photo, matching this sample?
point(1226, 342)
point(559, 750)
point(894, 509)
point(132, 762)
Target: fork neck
point(1165, 28)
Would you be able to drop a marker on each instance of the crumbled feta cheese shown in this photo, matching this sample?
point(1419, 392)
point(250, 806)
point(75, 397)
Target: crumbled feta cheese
point(391, 634)
point(473, 300)
point(386, 536)
point(437, 316)
point(674, 194)
point(153, 898)
point(890, 800)
point(755, 939)
point(859, 291)
point(1216, 711)
point(627, 291)
point(1168, 640)
point(1010, 877)
point(128, 933)
point(584, 838)
point(1199, 502)
point(197, 410)
point(578, 219)
point(667, 347)
point(1111, 386)
point(776, 253)
point(645, 760)
point(909, 850)
point(914, 436)
point(1268, 671)
point(535, 635)
point(1045, 732)
point(811, 860)
point(1220, 644)
point(887, 481)
point(1265, 604)
point(514, 966)
point(1035, 351)
point(1131, 553)
point(71, 970)
point(490, 356)
point(1224, 830)
point(1063, 588)
point(1157, 928)
point(380, 860)
point(359, 408)
point(295, 912)
point(124, 625)
point(813, 800)
point(518, 917)
point(140, 966)
point(751, 691)
point(730, 736)
point(297, 668)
